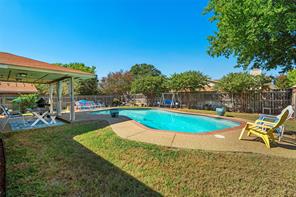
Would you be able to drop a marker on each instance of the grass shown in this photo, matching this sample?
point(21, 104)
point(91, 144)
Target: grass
point(88, 159)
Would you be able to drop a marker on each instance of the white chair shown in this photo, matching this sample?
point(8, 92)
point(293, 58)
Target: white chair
point(10, 116)
point(271, 118)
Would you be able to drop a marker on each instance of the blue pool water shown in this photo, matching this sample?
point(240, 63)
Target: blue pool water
point(164, 120)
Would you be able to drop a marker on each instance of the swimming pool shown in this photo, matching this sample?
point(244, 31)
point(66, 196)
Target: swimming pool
point(171, 121)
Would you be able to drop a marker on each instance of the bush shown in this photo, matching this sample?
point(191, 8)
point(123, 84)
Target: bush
point(292, 77)
point(26, 101)
point(116, 102)
point(150, 86)
point(189, 80)
point(237, 83)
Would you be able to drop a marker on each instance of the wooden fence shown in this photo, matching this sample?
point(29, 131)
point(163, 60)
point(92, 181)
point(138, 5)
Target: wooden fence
point(107, 100)
point(271, 102)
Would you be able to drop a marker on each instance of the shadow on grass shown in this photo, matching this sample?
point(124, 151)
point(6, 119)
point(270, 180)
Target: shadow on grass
point(62, 166)
point(286, 143)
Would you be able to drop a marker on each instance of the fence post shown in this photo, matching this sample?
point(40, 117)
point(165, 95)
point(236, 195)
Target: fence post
point(294, 99)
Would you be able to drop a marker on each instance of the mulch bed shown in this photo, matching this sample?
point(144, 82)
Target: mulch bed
point(2, 169)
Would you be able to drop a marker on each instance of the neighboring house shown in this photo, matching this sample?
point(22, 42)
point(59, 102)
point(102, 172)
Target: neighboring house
point(210, 86)
point(15, 89)
point(256, 72)
point(269, 87)
point(207, 88)
point(10, 90)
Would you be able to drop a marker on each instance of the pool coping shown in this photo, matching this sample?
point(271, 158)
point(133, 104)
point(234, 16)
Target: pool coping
point(241, 125)
point(227, 141)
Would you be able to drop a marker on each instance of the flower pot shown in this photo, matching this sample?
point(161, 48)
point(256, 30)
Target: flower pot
point(114, 113)
point(220, 111)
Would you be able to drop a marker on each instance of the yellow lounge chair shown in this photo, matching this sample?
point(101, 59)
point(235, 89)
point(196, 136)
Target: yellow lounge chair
point(265, 129)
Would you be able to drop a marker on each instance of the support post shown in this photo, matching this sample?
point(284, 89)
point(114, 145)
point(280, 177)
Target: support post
point(72, 100)
point(51, 98)
point(59, 99)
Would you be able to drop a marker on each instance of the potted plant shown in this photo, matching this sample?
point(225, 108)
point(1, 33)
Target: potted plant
point(25, 101)
point(220, 111)
point(114, 113)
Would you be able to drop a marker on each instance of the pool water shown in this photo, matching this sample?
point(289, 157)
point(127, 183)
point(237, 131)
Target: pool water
point(170, 121)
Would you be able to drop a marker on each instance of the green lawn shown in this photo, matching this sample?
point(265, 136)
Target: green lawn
point(88, 159)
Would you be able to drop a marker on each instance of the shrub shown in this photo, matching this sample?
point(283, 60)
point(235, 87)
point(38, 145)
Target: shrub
point(282, 82)
point(26, 101)
point(189, 80)
point(150, 86)
point(116, 102)
point(237, 83)
point(292, 77)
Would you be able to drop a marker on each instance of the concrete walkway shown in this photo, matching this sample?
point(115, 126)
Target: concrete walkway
point(219, 141)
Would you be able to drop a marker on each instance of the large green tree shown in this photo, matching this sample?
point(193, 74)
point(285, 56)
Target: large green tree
point(282, 82)
point(237, 83)
point(150, 86)
point(260, 33)
point(118, 83)
point(83, 87)
point(141, 70)
point(292, 77)
point(43, 89)
point(189, 80)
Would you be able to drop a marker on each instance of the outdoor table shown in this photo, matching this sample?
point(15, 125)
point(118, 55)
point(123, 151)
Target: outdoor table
point(39, 113)
point(52, 118)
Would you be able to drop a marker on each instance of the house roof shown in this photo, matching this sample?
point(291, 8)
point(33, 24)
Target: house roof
point(18, 68)
point(17, 88)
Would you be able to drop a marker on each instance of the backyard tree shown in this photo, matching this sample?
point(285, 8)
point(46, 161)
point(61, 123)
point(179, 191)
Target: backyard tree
point(82, 87)
point(282, 82)
point(261, 34)
point(150, 86)
point(118, 83)
point(292, 77)
point(141, 70)
point(189, 80)
point(43, 89)
point(237, 83)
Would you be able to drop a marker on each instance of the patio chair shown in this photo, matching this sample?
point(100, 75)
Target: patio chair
point(265, 129)
point(82, 104)
point(270, 118)
point(85, 104)
point(10, 116)
point(95, 105)
point(100, 104)
point(78, 105)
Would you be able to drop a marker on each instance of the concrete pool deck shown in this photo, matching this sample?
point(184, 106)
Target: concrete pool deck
point(217, 141)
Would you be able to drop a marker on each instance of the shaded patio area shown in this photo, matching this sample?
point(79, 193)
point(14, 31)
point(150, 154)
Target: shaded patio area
point(14, 68)
point(19, 125)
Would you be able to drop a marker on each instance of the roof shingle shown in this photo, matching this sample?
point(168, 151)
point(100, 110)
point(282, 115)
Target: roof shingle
point(11, 59)
point(16, 88)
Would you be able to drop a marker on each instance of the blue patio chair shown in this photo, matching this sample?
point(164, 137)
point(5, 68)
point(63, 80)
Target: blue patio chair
point(168, 102)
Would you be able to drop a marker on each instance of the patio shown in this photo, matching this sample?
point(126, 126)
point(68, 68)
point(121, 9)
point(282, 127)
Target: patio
point(20, 69)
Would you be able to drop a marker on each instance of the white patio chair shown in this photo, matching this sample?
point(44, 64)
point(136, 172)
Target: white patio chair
point(10, 116)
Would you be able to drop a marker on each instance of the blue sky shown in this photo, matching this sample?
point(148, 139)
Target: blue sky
point(112, 34)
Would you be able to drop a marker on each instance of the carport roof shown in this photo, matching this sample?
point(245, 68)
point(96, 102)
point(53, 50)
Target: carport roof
point(16, 68)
